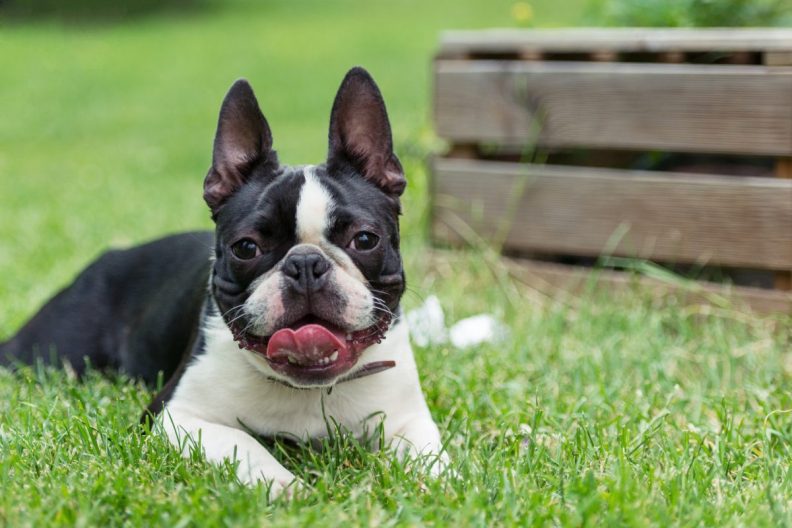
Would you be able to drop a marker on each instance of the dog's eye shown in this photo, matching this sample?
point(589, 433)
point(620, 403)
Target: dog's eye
point(245, 249)
point(364, 241)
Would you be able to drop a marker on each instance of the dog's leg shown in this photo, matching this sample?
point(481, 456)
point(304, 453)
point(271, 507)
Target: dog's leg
point(415, 435)
point(408, 427)
point(219, 442)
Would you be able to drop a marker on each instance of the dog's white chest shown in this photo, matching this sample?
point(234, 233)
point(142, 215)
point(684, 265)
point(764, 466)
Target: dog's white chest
point(223, 385)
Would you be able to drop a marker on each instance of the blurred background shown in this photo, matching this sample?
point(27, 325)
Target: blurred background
point(108, 109)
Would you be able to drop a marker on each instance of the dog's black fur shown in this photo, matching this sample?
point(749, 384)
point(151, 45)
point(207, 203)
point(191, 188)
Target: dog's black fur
point(112, 316)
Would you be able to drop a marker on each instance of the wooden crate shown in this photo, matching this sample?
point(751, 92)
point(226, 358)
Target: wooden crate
point(591, 105)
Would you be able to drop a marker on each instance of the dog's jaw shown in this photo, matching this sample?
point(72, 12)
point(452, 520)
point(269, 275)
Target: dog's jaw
point(314, 353)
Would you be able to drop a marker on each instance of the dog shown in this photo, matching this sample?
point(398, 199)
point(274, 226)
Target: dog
point(285, 319)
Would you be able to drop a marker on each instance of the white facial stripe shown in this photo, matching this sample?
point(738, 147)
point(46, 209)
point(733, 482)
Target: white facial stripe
point(313, 209)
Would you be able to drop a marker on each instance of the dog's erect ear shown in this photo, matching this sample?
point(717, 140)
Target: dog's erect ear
point(243, 140)
point(360, 133)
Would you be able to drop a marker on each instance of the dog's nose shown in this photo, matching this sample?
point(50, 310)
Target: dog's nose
point(307, 272)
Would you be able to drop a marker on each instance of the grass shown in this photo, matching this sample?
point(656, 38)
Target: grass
point(600, 410)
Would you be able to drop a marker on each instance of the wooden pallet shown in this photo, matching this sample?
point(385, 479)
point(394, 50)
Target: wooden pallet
point(605, 98)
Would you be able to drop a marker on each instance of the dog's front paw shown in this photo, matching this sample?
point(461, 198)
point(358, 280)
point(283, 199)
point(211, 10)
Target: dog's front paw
point(418, 445)
point(284, 489)
point(438, 464)
point(432, 464)
point(278, 481)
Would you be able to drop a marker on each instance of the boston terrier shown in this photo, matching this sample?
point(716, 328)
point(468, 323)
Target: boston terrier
point(282, 321)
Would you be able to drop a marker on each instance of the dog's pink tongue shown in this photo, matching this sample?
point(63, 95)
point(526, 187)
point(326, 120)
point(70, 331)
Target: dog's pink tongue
point(307, 343)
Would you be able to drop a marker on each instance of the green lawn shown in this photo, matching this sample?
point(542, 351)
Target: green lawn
point(599, 411)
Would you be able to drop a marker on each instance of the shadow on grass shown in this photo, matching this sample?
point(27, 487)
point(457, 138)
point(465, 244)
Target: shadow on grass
point(79, 12)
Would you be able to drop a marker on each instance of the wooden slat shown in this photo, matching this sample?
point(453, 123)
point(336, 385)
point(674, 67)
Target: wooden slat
point(679, 107)
point(501, 41)
point(676, 57)
point(671, 217)
point(555, 279)
point(783, 169)
point(777, 58)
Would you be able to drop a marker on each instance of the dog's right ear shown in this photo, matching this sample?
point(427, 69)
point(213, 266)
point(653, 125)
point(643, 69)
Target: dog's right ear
point(243, 141)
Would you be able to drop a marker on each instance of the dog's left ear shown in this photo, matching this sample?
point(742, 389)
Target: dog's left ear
point(243, 140)
point(360, 133)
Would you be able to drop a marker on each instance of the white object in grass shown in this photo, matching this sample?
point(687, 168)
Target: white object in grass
point(427, 323)
point(472, 331)
point(427, 327)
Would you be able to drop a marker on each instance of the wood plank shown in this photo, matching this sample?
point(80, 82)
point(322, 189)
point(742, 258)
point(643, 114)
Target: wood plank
point(676, 57)
point(463, 151)
point(499, 41)
point(678, 107)
point(605, 56)
point(783, 169)
point(557, 279)
point(777, 58)
point(670, 217)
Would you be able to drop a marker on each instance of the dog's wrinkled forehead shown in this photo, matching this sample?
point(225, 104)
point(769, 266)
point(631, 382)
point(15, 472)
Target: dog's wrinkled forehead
point(307, 202)
point(322, 203)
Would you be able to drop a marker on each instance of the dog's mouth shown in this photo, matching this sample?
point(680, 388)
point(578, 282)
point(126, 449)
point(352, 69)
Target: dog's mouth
point(312, 351)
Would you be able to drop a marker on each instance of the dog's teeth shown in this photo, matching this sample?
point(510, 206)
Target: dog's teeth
point(291, 360)
point(349, 337)
point(333, 357)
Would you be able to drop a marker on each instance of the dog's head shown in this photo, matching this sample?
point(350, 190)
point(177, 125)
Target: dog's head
point(307, 271)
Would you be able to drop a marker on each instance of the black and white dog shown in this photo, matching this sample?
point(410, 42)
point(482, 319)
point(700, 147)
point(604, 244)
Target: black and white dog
point(299, 325)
